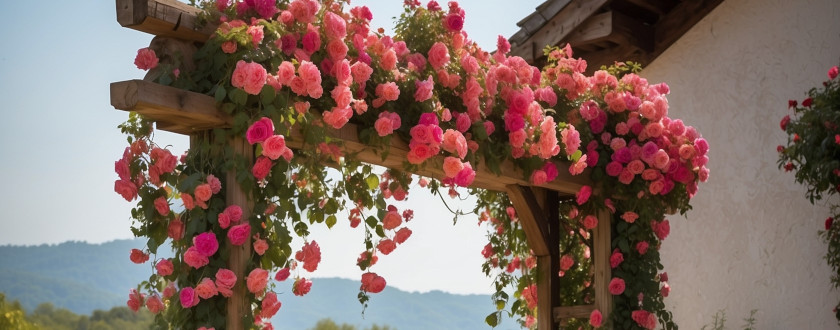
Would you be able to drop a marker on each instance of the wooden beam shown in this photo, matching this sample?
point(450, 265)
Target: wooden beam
point(170, 107)
point(601, 258)
point(533, 220)
point(679, 20)
point(558, 27)
point(613, 26)
point(187, 112)
point(170, 18)
point(577, 312)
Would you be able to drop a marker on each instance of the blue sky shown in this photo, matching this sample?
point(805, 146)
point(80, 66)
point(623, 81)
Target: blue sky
point(59, 140)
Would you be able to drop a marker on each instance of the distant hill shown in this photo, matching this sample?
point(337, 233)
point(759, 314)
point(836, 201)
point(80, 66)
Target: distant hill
point(84, 277)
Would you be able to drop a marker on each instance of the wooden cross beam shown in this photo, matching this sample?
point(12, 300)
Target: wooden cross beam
point(190, 113)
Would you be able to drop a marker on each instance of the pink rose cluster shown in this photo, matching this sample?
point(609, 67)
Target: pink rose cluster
point(647, 145)
point(202, 193)
point(273, 146)
point(309, 255)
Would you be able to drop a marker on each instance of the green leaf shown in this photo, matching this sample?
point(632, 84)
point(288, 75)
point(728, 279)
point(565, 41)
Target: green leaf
point(576, 156)
point(372, 181)
point(238, 96)
point(267, 94)
point(331, 220)
point(492, 320)
point(220, 94)
point(500, 304)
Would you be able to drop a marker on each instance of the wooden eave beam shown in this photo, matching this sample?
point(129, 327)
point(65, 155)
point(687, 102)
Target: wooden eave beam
point(557, 28)
point(678, 21)
point(187, 112)
point(613, 26)
point(168, 18)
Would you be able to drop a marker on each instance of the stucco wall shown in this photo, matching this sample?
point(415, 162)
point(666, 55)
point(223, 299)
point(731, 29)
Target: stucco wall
point(751, 241)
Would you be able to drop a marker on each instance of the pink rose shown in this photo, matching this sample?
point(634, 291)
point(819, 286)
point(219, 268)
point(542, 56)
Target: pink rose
point(642, 247)
point(616, 258)
point(454, 142)
point(154, 304)
point(257, 280)
point(189, 297)
point(274, 146)
point(644, 318)
point(832, 73)
point(138, 257)
point(249, 76)
point(582, 196)
point(590, 222)
point(373, 283)
point(169, 290)
point(260, 130)
point(206, 289)
point(466, 176)
point(282, 274)
point(301, 287)
point(310, 255)
point(334, 26)
point(636, 167)
point(438, 55)
point(566, 262)
point(392, 218)
point(661, 229)
point(206, 243)
point(262, 167)
point(269, 306)
point(260, 246)
point(386, 246)
point(175, 230)
point(215, 184)
point(570, 138)
point(452, 166)
point(402, 235)
point(239, 234)
point(126, 189)
point(189, 203)
point(164, 267)
point(383, 125)
point(203, 192)
point(629, 216)
point(665, 290)
point(595, 318)
point(257, 34)
point(424, 89)
point(337, 49)
point(135, 300)
point(146, 59)
point(234, 212)
point(538, 177)
point(616, 286)
point(229, 47)
point(225, 280)
point(162, 206)
point(195, 259)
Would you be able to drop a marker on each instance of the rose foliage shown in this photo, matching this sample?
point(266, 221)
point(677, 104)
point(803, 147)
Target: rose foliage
point(288, 72)
point(813, 153)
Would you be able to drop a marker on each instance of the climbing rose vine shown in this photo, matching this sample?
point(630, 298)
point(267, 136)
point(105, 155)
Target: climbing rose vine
point(288, 72)
point(813, 153)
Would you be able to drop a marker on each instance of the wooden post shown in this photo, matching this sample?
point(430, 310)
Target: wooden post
point(535, 223)
point(601, 258)
point(239, 255)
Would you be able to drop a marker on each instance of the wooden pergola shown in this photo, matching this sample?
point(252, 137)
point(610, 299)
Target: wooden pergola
point(190, 113)
point(605, 31)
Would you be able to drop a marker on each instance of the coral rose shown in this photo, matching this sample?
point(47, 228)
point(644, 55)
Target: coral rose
point(146, 59)
point(269, 306)
point(206, 289)
point(373, 283)
point(257, 280)
point(135, 300)
point(164, 267)
point(138, 257)
point(616, 286)
point(301, 287)
point(154, 304)
point(310, 255)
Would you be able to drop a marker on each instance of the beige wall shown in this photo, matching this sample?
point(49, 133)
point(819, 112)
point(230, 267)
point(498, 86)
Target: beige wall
point(751, 241)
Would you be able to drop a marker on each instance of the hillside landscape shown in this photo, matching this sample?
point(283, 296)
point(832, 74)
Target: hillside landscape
point(83, 277)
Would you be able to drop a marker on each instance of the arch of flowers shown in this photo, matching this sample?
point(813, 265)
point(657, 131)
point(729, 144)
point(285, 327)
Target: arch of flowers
point(575, 173)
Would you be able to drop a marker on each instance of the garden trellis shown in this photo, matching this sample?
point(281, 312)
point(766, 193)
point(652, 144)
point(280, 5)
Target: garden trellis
point(537, 202)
